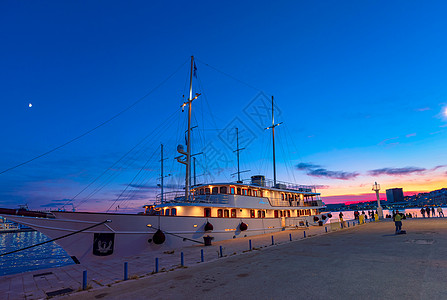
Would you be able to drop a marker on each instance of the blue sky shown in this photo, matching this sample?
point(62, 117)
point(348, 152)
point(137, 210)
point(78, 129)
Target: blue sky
point(359, 85)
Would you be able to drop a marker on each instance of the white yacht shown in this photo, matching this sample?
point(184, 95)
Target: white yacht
point(199, 214)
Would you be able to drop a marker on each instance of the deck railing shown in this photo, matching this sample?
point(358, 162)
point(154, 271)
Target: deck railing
point(179, 197)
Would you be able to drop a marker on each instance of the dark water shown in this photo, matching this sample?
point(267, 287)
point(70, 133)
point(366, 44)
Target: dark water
point(41, 257)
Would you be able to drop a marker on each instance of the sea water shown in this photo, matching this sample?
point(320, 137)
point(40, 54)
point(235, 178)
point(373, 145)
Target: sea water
point(45, 256)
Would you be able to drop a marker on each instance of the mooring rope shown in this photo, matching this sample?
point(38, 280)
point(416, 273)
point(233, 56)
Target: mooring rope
point(52, 240)
point(176, 235)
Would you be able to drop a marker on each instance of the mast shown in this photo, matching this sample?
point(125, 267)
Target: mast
point(161, 177)
point(188, 145)
point(273, 137)
point(237, 151)
point(187, 160)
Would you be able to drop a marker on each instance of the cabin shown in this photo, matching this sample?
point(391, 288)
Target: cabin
point(242, 200)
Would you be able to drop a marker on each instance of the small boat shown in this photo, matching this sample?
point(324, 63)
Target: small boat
point(196, 215)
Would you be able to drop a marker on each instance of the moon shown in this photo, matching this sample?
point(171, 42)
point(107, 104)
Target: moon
point(30, 105)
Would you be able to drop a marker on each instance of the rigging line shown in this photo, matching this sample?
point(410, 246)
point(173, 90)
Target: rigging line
point(121, 158)
point(146, 176)
point(58, 238)
point(142, 168)
point(230, 76)
point(98, 126)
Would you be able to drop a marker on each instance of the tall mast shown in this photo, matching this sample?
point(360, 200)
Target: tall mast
point(161, 177)
point(180, 149)
point(188, 145)
point(237, 150)
point(273, 137)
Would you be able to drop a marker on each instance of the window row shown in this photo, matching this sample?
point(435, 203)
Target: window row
point(225, 213)
point(231, 190)
point(168, 212)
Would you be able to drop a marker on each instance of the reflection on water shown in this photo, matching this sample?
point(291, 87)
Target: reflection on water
point(415, 212)
point(40, 257)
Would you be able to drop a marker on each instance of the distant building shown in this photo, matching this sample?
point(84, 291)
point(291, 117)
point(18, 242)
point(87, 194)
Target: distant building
point(395, 195)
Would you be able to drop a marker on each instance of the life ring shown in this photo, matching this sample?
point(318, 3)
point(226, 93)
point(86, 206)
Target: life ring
point(316, 218)
point(323, 217)
point(329, 216)
point(159, 237)
point(243, 226)
point(208, 226)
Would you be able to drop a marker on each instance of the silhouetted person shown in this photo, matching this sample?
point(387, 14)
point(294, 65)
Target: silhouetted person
point(423, 212)
point(427, 210)
point(440, 212)
point(433, 212)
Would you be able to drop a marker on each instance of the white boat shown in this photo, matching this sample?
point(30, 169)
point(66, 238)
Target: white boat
point(197, 215)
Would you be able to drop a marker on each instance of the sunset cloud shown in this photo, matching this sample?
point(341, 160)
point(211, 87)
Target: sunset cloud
point(396, 171)
point(318, 171)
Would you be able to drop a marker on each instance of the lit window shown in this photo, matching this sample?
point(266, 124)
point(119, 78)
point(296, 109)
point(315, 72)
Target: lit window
point(232, 190)
point(167, 212)
point(252, 213)
point(215, 190)
point(223, 189)
point(219, 213)
point(207, 212)
point(233, 213)
point(226, 213)
point(173, 211)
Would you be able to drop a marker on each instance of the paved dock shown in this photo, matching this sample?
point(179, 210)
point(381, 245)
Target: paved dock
point(366, 261)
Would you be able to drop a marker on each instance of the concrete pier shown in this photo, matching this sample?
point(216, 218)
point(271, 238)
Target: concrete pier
point(366, 261)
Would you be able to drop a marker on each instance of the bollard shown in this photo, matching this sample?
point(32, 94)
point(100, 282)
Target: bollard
point(84, 280)
point(221, 255)
point(249, 244)
point(273, 241)
point(125, 271)
point(201, 255)
point(290, 236)
point(156, 265)
point(304, 233)
point(182, 261)
point(325, 229)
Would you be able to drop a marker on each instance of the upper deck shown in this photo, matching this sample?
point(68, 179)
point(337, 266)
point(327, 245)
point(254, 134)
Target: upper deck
point(248, 194)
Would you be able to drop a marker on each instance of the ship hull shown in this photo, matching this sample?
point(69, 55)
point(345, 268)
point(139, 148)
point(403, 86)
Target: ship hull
point(123, 235)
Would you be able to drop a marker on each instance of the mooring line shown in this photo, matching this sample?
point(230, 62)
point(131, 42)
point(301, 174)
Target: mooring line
point(52, 240)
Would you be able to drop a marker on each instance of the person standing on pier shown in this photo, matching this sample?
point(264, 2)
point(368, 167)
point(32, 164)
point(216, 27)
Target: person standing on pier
point(423, 212)
point(433, 212)
point(398, 222)
point(427, 210)
point(440, 212)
